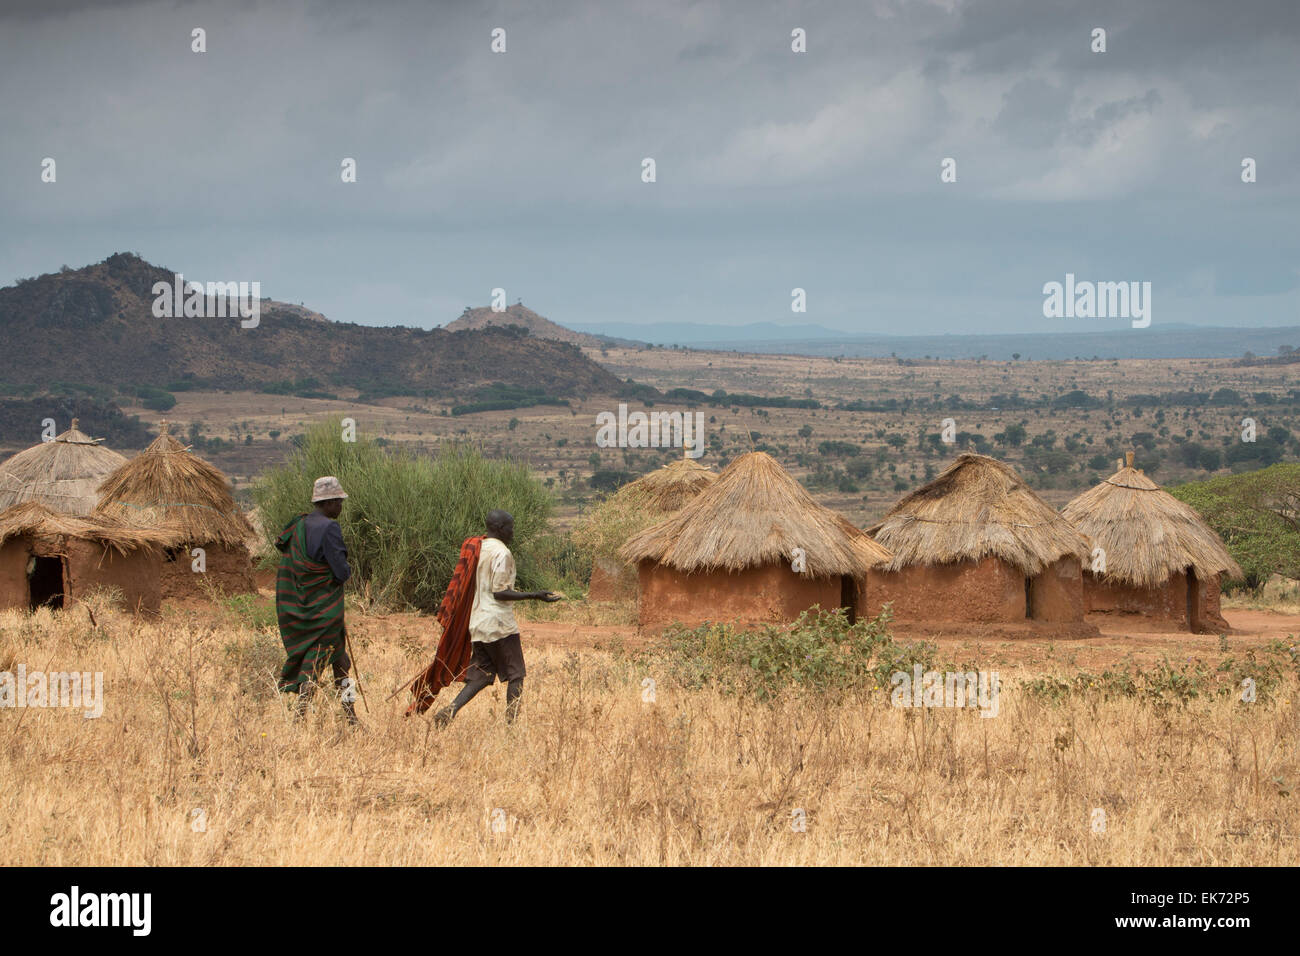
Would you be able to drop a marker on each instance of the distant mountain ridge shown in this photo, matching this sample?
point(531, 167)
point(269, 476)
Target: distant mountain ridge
point(95, 325)
point(695, 333)
point(1158, 342)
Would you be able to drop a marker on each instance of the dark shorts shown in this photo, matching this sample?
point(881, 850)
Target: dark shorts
point(503, 660)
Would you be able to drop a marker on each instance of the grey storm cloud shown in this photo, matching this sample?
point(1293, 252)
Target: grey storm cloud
point(774, 169)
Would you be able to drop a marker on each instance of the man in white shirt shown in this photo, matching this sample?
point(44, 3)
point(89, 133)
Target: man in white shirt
point(492, 628)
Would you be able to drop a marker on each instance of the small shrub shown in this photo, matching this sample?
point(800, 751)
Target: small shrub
point(820, 652)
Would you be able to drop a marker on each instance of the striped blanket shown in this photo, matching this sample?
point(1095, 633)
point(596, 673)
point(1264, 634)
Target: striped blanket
point(309, 606)
point(454, 648)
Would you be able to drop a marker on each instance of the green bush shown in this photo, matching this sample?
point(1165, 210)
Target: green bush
point(819, 652)
point(1254, 513)
point(1166, 684)
point(406, 515)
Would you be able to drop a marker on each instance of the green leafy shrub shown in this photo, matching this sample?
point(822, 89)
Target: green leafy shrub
point(820, 652)
point(1165, 684)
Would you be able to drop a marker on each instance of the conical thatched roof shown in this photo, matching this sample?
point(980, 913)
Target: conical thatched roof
point(977, 507)
point(755, 514)
point(670, 487)
point(34, 518)
point(168, 485)
point(1146, 532)
point(63, 474)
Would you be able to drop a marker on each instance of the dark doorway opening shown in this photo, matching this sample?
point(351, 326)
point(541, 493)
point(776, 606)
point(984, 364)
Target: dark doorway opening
point(45, 582)
point(1029, 597)
point(849, 596)
point(1193, 602)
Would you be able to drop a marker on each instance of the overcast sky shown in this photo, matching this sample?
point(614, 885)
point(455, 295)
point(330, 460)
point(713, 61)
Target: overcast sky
point(775, 169)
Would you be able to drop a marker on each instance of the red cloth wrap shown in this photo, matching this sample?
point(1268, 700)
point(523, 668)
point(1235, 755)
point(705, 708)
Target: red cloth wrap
point(454, 648)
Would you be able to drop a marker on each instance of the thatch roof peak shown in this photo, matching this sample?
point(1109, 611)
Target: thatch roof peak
point(170, 485)
point(752, 515)
point(35, 519)
point(1132, 478)
point(75, 436)
point(976, 508)
point(63, 473)
point(672, 486)
point(1146, 533)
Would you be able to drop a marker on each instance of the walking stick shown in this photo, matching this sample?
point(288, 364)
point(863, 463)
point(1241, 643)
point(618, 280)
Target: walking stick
point(347, 643)
point(407, 684)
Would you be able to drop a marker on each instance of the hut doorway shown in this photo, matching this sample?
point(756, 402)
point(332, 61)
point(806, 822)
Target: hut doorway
point(1193, 602)
point(45, 582)
point(849, 597)
point(1029, 597)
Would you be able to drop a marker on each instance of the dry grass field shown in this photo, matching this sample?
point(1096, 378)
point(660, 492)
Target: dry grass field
point(196, 761)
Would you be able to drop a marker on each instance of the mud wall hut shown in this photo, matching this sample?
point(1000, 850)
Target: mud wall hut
point(64, 474)
point(48, 559)
point(977, 545)
point(1155, 562)
point(730, 554)
point(170, 487)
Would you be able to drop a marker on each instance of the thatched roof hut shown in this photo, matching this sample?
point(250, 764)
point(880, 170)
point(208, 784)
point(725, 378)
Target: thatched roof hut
point(733, 553)
point(168, 485)
point(48, 558)
point(755, 514)
point(976, 508)
point(64, 474)
point(1156, 563)
point(176, 488)
point(1147, 534)
point(977, 545)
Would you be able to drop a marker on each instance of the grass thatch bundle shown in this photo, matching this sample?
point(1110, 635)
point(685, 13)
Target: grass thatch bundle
point(607, 526)
point(976, 508)
point(122, 535)
point(168, 485)
point(63, 474)
point(672, 486)
point(755, 514)
point(1147, 533)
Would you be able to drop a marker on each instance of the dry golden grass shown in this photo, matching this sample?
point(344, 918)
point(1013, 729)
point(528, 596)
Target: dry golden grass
point(593, 775)
point(1278, 594)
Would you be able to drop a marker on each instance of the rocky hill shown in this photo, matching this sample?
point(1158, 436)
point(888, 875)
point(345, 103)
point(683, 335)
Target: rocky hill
point(537, 325)
point(96, 326)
